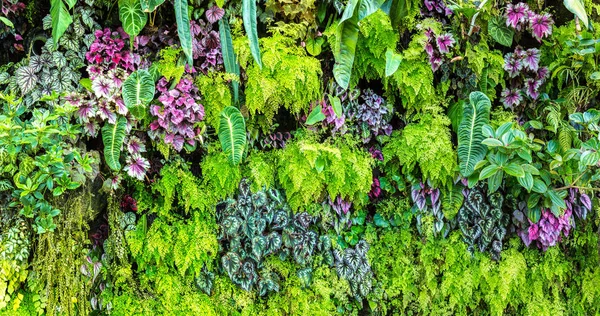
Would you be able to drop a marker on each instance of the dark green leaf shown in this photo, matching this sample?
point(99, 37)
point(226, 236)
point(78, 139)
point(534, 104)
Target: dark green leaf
point(500, 32)
point(183, 29)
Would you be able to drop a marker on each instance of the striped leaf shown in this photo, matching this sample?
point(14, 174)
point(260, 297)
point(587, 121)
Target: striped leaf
point(476, 113)
point(229, 59)
point(183, 29)
point(132, 17)
point(232, 134)
point(112, 137)
point(138, 91)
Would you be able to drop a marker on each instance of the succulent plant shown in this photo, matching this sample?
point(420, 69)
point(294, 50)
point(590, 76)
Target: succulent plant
point(257, 225)
point(482, 221)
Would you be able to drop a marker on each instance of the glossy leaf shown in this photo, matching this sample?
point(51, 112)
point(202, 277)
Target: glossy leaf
point(345, 48)
point(183, 29)
point(392, 62)
point(138, 91)
point(112, 137)
point(229, 58)
point(150, 5)
point(232, 134)
point(315, 116)
point(470, 136)
point(61, 19)
point(132, 17)
point(249, 17)
point(500, 32)
point(577, 7)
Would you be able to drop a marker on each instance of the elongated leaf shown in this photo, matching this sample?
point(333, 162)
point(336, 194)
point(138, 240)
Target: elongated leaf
point(183, 29)
point(138, 91)
point(349, 11)
point(61, 19)
point(150, 5)
point(249, 17)
point(132, 17)
point(229, 59)
point(347, 36)
point(232, 134)
point(392, 62)
point(500, 32)
point(112, 137)
point(7, 22)
point(470, 149)
point(578, 8)
point(368, 7)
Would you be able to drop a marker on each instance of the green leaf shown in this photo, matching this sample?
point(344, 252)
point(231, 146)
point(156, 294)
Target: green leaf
point(539, 186)
point(315, 116)
point(500, 32)
point(314, 45)
point(336, 104)
point(61, 19)
point(392, 62)
point(492, 142)
point(514, 170)
point(589, 158)
point(368, 7)
point(347, 36)
point(249, 17)
point(526, 181)
point(232, 134)
point(470, 136)
point(183, 29)
point(380, 221)
point(595, 75)
point(138, 91)
point(556, 200)
point(7, 22)
point(229, 58)
point(578, 8)
point(348, 11)
point(488, 171)
point(150, 5)
point(132, 17)
point(112, 137)
point(495, 181)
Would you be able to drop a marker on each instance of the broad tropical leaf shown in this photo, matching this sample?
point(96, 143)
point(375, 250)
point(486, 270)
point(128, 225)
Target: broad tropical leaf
point(229, 59)
point(183, 29)
point(61, 19)
point(500, 32)
point(392, 62)
point(249, 17)
point(346, 37)
point(476, 113)
point(138, 91)
point(150, 5)
point(368, 7)
point(232, 134)
point(315, 116)
point(578, 8)
point(112, 137)
point(132, 17)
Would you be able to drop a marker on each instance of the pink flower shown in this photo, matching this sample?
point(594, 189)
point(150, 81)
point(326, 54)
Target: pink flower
point(445, 42)
point(511, 98)
point(516, 15)
point(137, 166)
point(541, 25)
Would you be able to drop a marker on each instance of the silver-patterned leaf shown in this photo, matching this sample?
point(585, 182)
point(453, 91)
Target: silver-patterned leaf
point(4, 77)
point(86, 18)
point(26, 79)
point(36, 63)
point(47, 22)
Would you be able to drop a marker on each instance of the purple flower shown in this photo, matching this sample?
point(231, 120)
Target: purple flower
point(511, 98)
point(512, 65)
point(137, 166)
point(532, 86)
point(214, 14)
point(531, 59)
point(541, 25)
point(516, 14)
point(445, 42)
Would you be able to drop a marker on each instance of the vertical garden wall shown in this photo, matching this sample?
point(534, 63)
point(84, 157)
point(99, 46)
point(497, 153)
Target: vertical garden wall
point(299, 157)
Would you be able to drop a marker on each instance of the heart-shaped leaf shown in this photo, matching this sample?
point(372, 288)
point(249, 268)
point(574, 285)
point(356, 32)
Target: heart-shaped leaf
point(132, 17)
point(138, 91)
point(500, 32)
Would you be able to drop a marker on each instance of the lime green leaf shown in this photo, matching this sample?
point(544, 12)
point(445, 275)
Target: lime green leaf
point(61, 19)
point(7, 22)
point(315, 116)
point(183, 29)
point(470, 135)
point(500, 32)
point(488, 171)
point(526, 181)
point(232, 134)
point(138, 91)
point(112, 137)
point(514, 170)
point(392, 62)
point(314, 45)
point(249, 17)
point(132, 17)
point(336, 103)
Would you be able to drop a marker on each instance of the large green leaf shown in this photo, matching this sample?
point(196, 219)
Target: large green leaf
point(150, 5)
point(347, 36)
point(229, 59)
point(368, 7)
point(500, 32)
point(183, 29)
point(132, 17)
point(61, 19)
point(138, 91)
point(476, 113)
point(232, 134)
point(112, 137)
point(249, 17)
point(578, 8)
point(392, 62)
